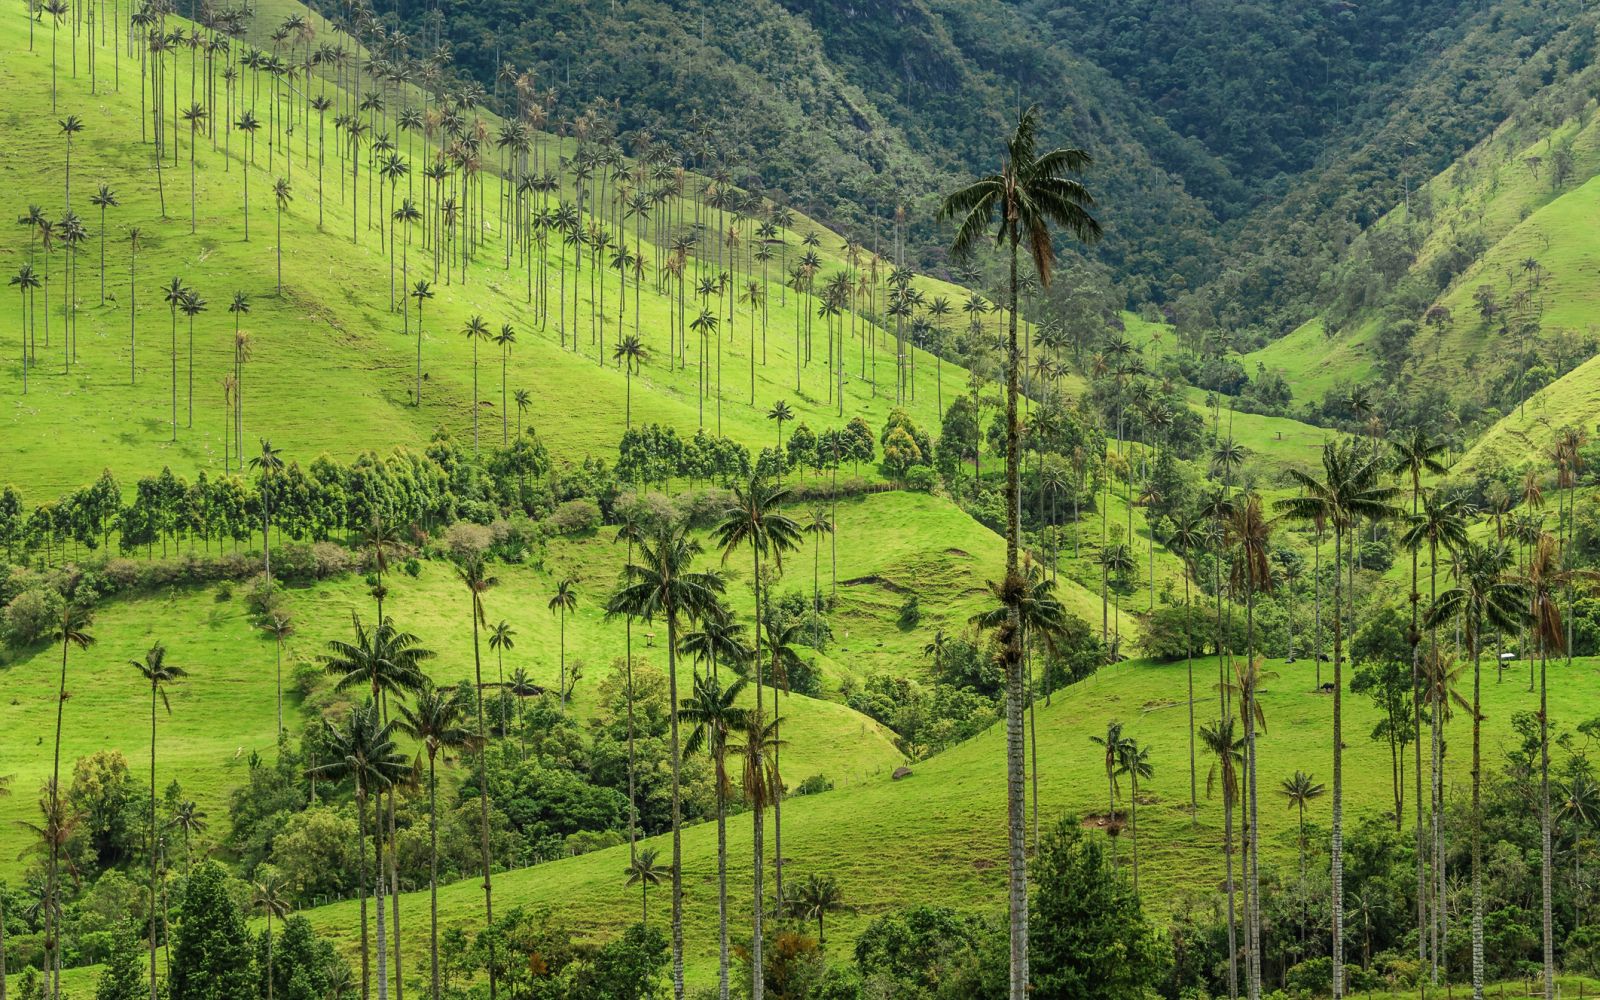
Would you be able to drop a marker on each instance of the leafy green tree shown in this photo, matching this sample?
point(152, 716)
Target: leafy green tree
point(211, 956)
point(1088, 935)
point(122, 976)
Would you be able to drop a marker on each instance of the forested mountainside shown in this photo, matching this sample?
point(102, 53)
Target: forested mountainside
point(1245, 143)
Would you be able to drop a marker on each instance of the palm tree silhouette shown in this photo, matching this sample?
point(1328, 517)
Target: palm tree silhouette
point(365, 751)
point(759, 752)
point(643, 872)
point(630, 355)
point(421, 291)
point(662, 583)
point(475, 577)
point(818, 896)
point(1349, 489)
point(1301, 791)
point(249, 125)
point(71, 630)
point(268, 895)
point(103, 199)
point(564, 602)
point(283, 195)
point(436, 723)
point(174, 293)
point(713, 715)
point(475, 330)
point(155, 669)
point(1030, 193)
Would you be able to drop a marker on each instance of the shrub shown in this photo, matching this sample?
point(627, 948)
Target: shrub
point(814, 785)
point(30, 616)
point(464, 539)
point(575, 517)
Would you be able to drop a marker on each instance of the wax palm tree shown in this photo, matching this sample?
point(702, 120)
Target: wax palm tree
point(103, 199)
point(278, 626)
point(1411, 457)
point(662, 583)
point(476, 331)
point(818, 896)
point(1350, 489)
point(1133, 760)
point(70, 628)
point(818, 525)
point(190, 821)
point(1300, 791)
point(174, 294)
point(643, 872)
point(1547, 579)
point(1188, 540)
point(780, 414)
point(505, 340)
point(524, 401)
point(755, 520)
point(364, 750)
point(284, 196)
point(249, 125)
point(1115, 559)
point(713, 716)
point(563, 603)
point(269, 896)
point(268, 464)
point(383, 660)
point(501, 638)
point(630, 354)
point(191, 306)
point(758, 750)
point(155, 670)
point(25, 282)
point(475, 577)
point(1487, 599)
point(195, 115)
point(70, 126)
point(1030, 192)
point(1227, 753)
point(422, 292)
point(436, 722)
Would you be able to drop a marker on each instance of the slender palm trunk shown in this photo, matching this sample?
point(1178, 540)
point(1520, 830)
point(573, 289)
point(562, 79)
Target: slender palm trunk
point(1336, 848)
point(483, 800)
point(1546, 915)
point(677, 820)
point(1012, 658)
point(433, 880)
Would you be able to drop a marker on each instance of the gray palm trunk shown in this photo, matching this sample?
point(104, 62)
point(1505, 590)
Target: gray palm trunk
point(757, 983)
point(1477, 827)
point(483, 800)
point(722, 882)
point(433, 879)
point(677, 817)
point(1017, 883)
point(1336, 847)
point(1546, 916)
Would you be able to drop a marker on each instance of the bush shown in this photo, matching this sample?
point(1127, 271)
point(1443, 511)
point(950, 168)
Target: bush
point(910, 612)
point(30, 616)
point(814, 785)
point(464, 539)
point(575, 517)
point(921, 478)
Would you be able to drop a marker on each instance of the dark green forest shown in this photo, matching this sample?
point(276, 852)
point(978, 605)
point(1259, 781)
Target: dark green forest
point(1245, 143)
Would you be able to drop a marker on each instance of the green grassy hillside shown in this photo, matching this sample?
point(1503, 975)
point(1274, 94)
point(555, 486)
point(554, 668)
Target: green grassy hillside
point(940, 834)
point(332, 369)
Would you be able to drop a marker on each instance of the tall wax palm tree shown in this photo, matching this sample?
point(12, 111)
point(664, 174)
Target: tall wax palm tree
point(642, 871)
point(1350, 489)
point(1547, 579)
point(174, 294)
point(436, 722)
point(758, 750)
point(505, 340)
point(268, 464)
point(1111, 751)
point(249, 125)
point(1412, 457)
point(191, 306)
point(1301, 791)
point(476, 331)
point(422, 292)
point(475, 577)
point(1228, 753)
point(524, 402)
point(630, 354)
point(70, 628)
point(662, 583)
point(284, 196)
point(269, 896)
point(155, 669)
point(195, 115)
point(780, 414)
point(501, 638)
point(713, 716)
point(1133, 760)
point(755, 520)
point(103, 199)
point(1115, 559)
point(1188, 540)
point(364, 750)
point(563, 603)
point(70, 126)
point(279, 627)
point(1487, 599)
